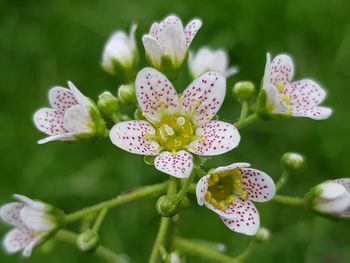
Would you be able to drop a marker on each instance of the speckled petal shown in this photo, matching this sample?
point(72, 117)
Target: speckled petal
point(215, 137)
point(230, 167)
point(316, 113)
point(10, 213)
point(49, 121)
point(191, 30)
point(203, 98)
point(248, 221)
point(134, 137)
point(344, 182)
point(18, 239)
point(155, 94)
point(179, 164)
point(305, 93)
point(80, 97)
point(281, 70)
point(61, 99)
point(258, 184)
point(201, 189)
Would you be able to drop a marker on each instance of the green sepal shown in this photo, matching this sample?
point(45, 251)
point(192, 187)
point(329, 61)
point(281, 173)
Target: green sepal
point(126, 73)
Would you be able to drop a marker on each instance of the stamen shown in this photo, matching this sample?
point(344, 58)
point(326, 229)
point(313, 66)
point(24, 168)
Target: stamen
point(169, 130)
point(286, 99)
point(180, 121)
point(281, 87)
point(196, 103)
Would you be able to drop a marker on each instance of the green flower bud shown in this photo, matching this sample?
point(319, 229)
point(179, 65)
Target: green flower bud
point(243, 90)
point(168, 205)
point(126, 94)
point(292, 161)
point(88, 241)
point(263, 234)
point(107, 103)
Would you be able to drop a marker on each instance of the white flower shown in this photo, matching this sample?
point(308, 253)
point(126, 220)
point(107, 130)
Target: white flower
point(331, 198)
point(71, 116)
point(207, 59)
point(168, 42)
point(120, 51)
point(229, 192)
point(177, 126)
point(292, 98)
point(33, 221)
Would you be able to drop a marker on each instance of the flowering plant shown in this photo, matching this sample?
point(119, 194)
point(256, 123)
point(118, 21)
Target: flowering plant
point(176, 132)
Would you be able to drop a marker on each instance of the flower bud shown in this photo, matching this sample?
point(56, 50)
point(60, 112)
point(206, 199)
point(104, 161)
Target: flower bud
point(88, 241)
point(107, 103)
point(263, 234)
point(331, 198)
point(168, 205)
point(126, 94)
point(174, 257)
point(292, 161)
point(243, 90)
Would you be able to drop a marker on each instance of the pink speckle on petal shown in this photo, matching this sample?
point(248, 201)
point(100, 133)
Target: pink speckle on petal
point(178, 164)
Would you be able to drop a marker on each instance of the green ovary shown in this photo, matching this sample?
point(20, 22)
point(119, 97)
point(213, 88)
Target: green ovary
point(175, 133)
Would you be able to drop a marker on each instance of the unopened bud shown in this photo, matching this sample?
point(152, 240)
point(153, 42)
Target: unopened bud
point(243, 90)
point(107, 103)
point(293, 161)
point(263, 234)
point(168, 205)
point(126, 94)
point(88, 241)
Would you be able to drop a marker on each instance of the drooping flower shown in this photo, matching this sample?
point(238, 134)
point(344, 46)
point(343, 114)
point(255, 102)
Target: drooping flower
point(229, 192)
point(167, 44)
point(331, 198)
point(207, 59)
point(72, 116)
point(33, 222)
point(177, 126)
point(282, 96)
point(120, 53)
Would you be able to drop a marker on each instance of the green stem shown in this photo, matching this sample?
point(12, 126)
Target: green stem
point(145, 191)
point(98, 223)
point(247, 251)
point(192, 248)
point(282, 181)
point(101, 251)
point(244, 110)
point(246, 121)
point(289, 200)
point(185, 187)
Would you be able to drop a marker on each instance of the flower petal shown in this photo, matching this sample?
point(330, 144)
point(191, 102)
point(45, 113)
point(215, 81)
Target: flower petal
point(61, 99)
point(29, 201)
point(259, 185)
point(215, 137)
point(179, 164)
point(152, 49)
point(155, 94)
point(80, 97)
point(10, 213)
point(78, 121)
point(134, 137)
point(191, 30)
point(203, 98)
point(154, 30)
point(201, 189)
point(230, 167)
point(59, 137)
point(49, 121)
point(316, 113)
point(248, 220)
point(343, 181)
point(331, 190)
point(17, 239)
point(281, 70)
point(36, 219)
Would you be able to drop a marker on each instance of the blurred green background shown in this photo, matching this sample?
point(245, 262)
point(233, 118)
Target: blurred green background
point(45, 43)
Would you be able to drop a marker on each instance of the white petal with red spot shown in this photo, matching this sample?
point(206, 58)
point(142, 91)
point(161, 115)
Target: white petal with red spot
point(248, 220)
point(77, 120)
point(18, 239)
point(191, 30)
point(258, 184)
point(281, 70)
point(316, 113)
point(178, 164)
point(134, 137)
point(153, 50)
point(201, 189)
point(49, 121)
point(215, 137)
point(36, 219)
point(10, 213)
point(80, 97)
point(203, 98)
point(230, 167)
point(155, 94)
point(61, 99)
point(305, 93)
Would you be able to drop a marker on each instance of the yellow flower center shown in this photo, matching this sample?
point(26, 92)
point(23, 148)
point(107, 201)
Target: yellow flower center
point(224, 187)
point(174, 133)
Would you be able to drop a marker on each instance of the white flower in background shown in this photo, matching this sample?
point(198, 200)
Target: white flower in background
point(177, 126)
point(71, 116)
point(207, 59)
point(282, 96)
point(331, 198)
point(120, 52)
point(33, 222)
point(167, 43)
point(229, 192)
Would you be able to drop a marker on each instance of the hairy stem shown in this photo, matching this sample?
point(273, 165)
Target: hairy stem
point(142, 192)
point(244, 110)
point(289, 200)
point(185, 187)
point(282, 181)
point(192, 248)
point(101, 251)
point(98, 223)
point(246, 121)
